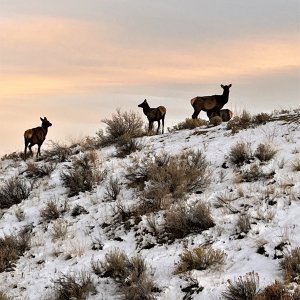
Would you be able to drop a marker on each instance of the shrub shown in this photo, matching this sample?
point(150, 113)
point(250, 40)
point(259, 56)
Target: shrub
point(200, 258)
point(254, 173)
point(14, 191)
point(127, 145)
point(84, 174)
point(261, 118)
point(116, 265)
point(4, 296)
point(175, 175)
point(11, 248)
point(59, 230)
point(121, 124)
point(112, 189)
point(243, 223)
point(291, 266)
point(237, 123)
point(181, 221)
point(51, 211)
point(265, 152)
point(36, 171)
point(245, 287)
point(15, 156)
point(132, 274)
point(296, 165)
point(275, 291)
point(189, 124)
point(73, 286)
point(240, 153)
point(58, 152)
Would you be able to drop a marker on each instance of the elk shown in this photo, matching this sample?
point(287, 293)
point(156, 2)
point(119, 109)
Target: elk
point(224, 114)
point(154, 115)
point(210, 103)
point(36, 136)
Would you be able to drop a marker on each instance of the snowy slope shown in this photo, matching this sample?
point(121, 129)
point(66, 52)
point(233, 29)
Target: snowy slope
point(33, 275)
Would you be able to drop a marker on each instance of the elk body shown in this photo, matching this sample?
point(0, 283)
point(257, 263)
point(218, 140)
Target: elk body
point(210, 103)
point(154, 115)
point(36, 136)
point(224, 114)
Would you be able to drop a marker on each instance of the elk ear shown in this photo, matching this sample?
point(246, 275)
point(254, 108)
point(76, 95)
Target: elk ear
point(222, 86)
point(41, 119)
point(230, 85)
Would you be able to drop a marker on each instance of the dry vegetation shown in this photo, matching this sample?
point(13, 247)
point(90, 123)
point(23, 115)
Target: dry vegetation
point(11, 248)
point(245, 287)
point(131, 274)
point(291, 266)
point(200, 258)
point(14, 191)
point(122, 126)
point(189, 124)
point(73, 286)
point(84, 174)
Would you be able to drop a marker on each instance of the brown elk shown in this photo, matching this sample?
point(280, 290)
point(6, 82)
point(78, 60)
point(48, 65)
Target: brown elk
point(154, 115)
point(36, 136)
point(210, 103)
point(224, 114)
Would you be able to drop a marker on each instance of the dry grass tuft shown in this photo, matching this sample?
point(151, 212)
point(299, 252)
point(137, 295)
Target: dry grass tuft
point(276, 291)
point(58, 152)
point(200, 258)
point(52, 211)
point(4, 296)
point(296, 165)
point(73, 286)
point(240, 153)
point(189, 124)
point(245, 287)
point(243, 223)
point(38, 171)
point(290, 264)
point(131, 273)
point(265, 152)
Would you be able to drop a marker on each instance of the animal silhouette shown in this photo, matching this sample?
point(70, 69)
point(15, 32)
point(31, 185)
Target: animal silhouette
point(154, 115)
point(36, 136)
point(210, 103)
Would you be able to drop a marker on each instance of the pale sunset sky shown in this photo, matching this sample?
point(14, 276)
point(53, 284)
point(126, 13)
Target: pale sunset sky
point(76, 61)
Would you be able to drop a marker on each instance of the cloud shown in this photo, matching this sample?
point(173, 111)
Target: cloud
point(55, 56)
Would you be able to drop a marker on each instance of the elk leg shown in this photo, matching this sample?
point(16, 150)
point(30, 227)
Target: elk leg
point(150, 126)
point(158, 126)
point(163, 124)
point(195, 114)
point(29, 147)
point(25, 150)
point(39, 150)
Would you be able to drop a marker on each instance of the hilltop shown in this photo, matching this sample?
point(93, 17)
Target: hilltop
point(191, 214)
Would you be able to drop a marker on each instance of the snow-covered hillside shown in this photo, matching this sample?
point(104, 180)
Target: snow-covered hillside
point(255, 207)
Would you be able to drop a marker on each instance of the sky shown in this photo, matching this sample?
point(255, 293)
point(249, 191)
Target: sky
point(77, 61)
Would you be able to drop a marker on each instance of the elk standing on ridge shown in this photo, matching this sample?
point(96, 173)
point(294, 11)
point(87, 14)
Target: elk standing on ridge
point(36, 136)
point(224, 114)
point(210, 103)
point(154, 115)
